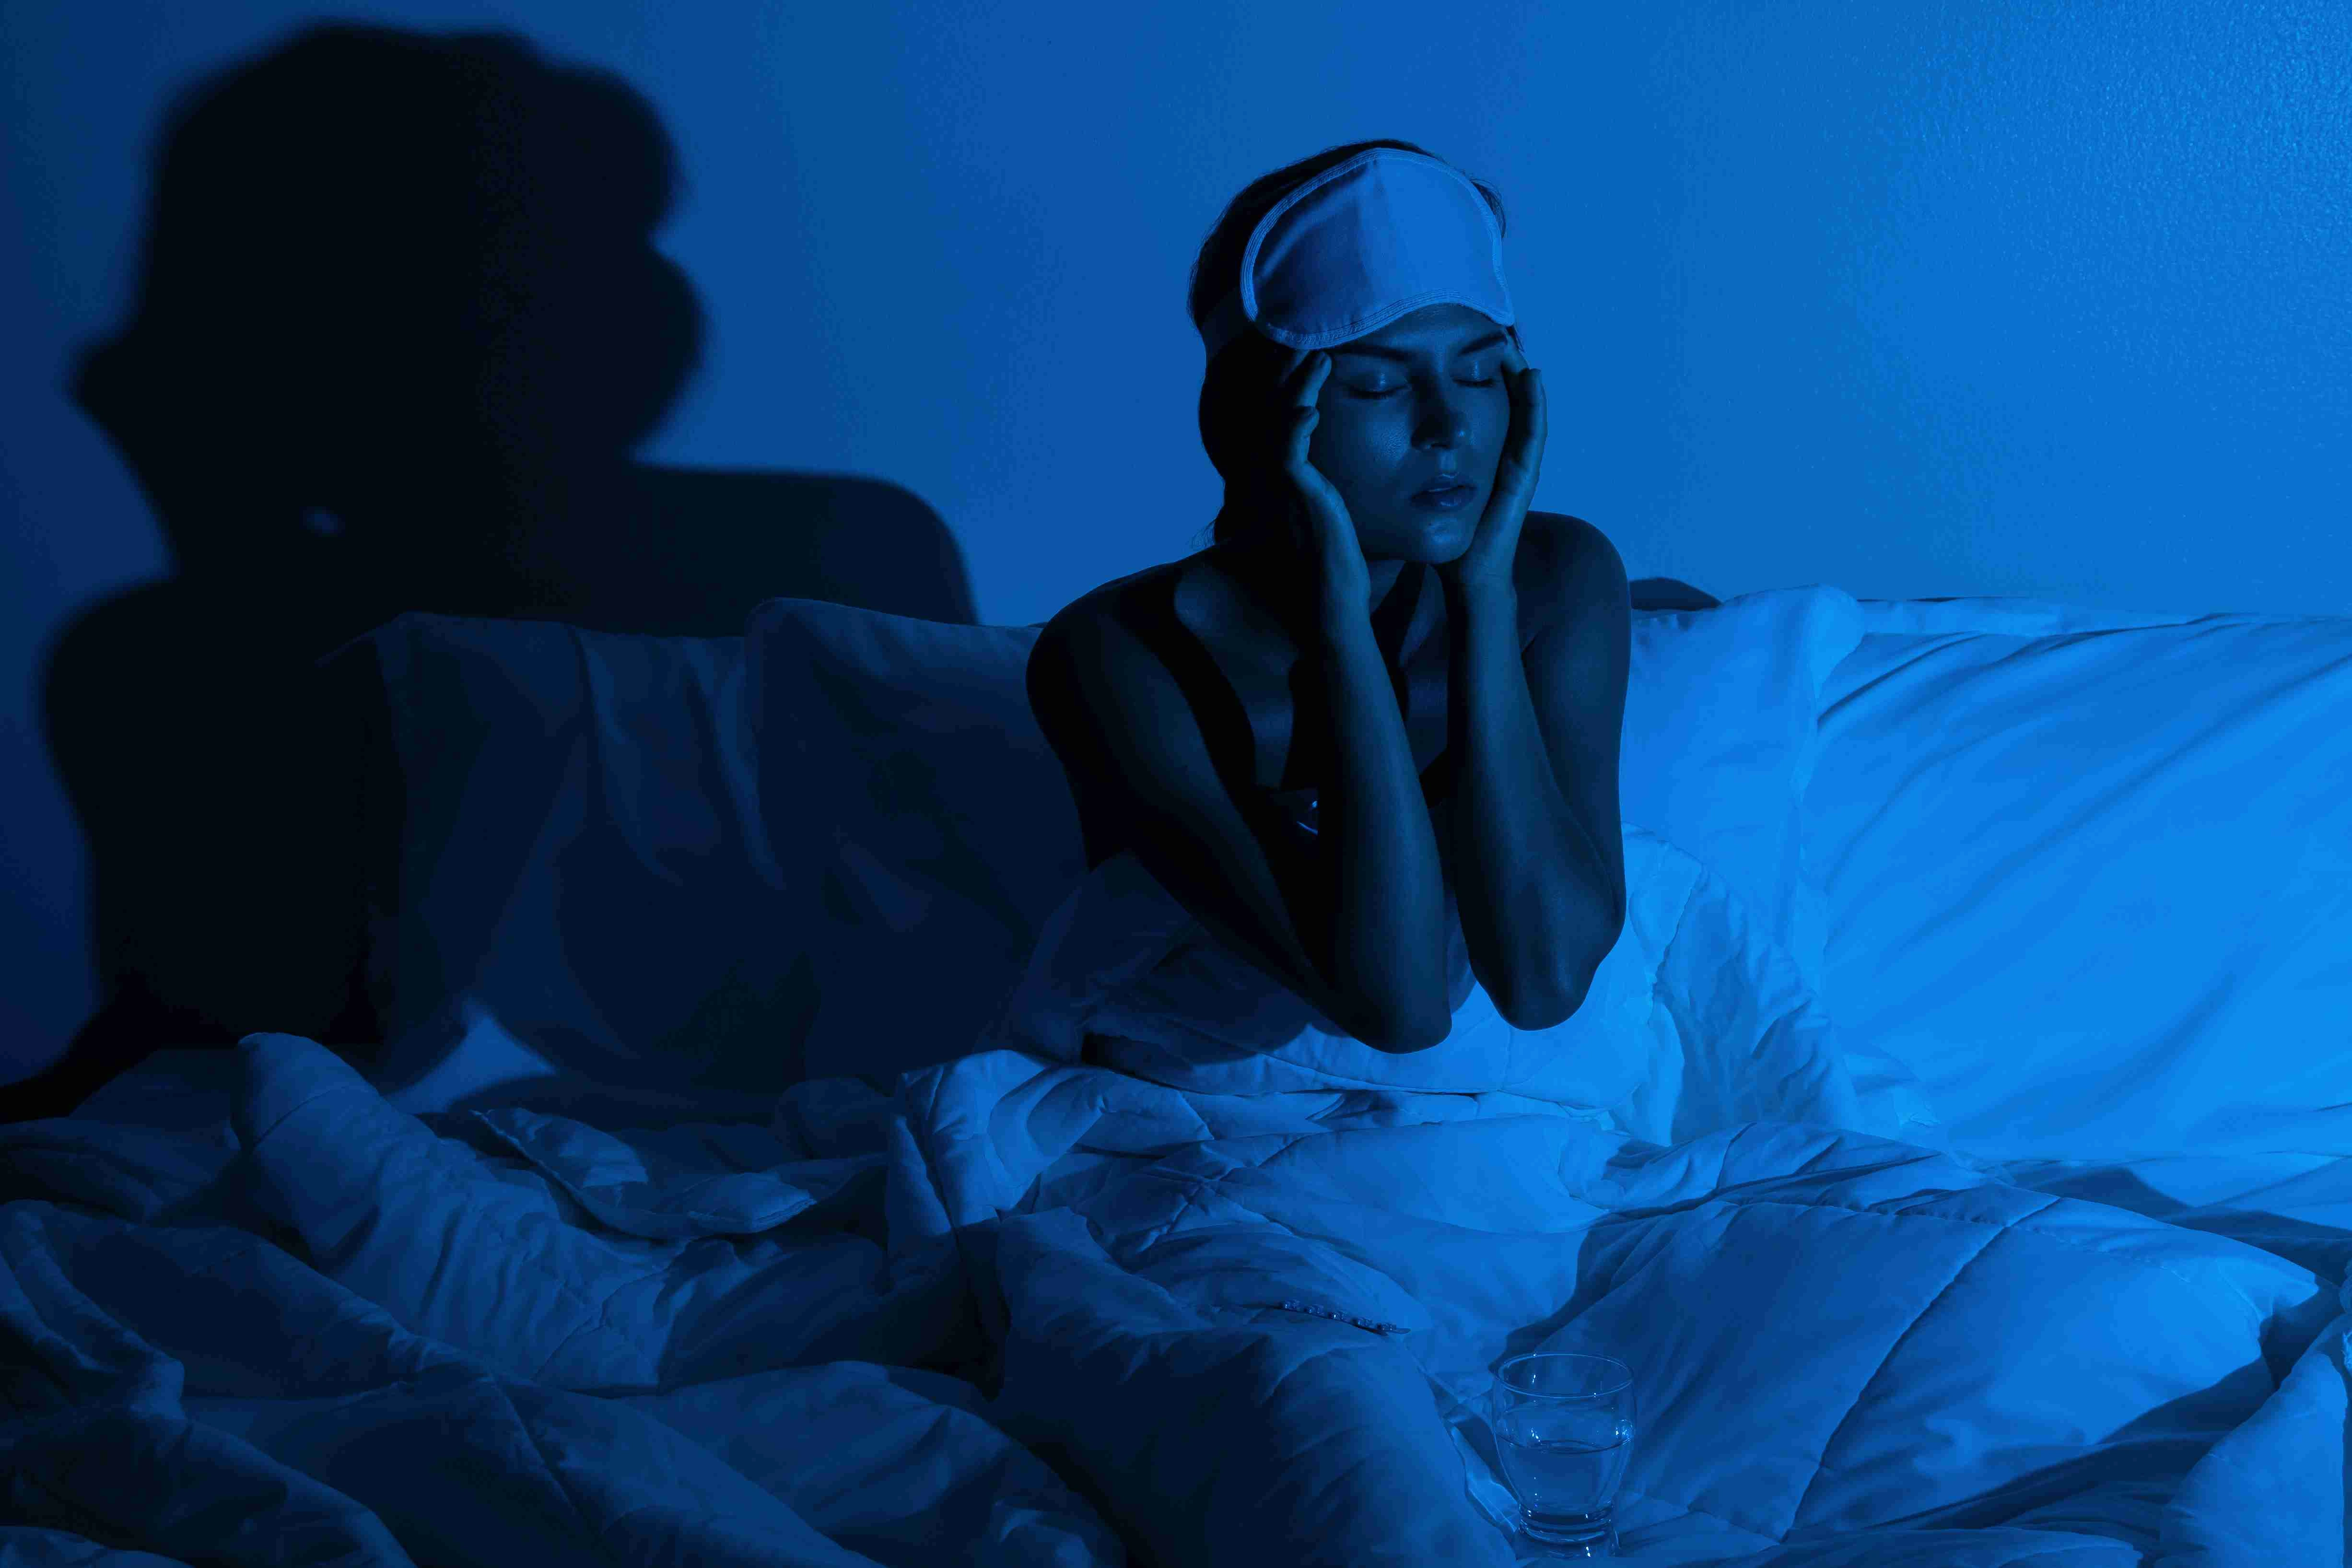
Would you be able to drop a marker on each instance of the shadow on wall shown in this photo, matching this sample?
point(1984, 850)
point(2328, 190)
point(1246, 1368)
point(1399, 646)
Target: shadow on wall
point(399, 324)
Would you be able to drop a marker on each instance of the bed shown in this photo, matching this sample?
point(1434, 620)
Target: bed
point(1958, 1143)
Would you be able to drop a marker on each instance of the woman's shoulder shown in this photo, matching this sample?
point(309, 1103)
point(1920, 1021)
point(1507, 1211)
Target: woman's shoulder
point(1131, 642)
point(1116, 598)
point(1126, 630)
point(1565, 566)
point(1556, 542)
point(1175, 609)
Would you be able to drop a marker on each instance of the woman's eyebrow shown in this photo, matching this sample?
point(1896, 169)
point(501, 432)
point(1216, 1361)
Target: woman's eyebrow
point(1375, 351)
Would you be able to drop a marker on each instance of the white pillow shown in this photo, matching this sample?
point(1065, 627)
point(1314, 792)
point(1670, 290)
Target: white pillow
point(1720, 741)
point(910, 794)
point(582, 876)
point(2090, 875)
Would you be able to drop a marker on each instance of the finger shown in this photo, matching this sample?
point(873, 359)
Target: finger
point(1530, 416)
point(1302, 364)
point(1303, 418)
point(1298, 462)
point(1524, 453)
point(1319, 371)
point(1523, 449)
point(1513, 360)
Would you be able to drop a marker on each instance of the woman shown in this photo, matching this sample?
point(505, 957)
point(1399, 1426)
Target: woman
point(1388, 692)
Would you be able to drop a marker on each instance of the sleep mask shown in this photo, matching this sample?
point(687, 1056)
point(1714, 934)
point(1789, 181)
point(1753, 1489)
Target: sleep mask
point(1360, 244)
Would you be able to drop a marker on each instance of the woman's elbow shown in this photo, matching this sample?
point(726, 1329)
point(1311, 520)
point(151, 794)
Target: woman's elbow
point(1404, 1040)
point(1557, 1004)
point(1548, 1012)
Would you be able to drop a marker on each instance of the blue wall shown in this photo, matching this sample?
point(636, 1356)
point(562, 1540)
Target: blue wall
point(1917, 300)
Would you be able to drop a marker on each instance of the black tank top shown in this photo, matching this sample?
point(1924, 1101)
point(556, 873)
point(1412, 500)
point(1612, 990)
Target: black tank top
point(1225, 721)
point(1225, 725)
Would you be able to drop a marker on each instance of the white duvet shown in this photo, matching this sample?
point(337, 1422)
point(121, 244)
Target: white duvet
point(1253, 1289)
point(321, 1329)
point(1845, 1350)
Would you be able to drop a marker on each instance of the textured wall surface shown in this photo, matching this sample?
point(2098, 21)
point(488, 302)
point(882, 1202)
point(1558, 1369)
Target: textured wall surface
point(2005, 298)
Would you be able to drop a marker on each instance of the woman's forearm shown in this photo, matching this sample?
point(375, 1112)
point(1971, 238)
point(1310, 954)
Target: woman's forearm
point(1388, 923)
point(1526, 875)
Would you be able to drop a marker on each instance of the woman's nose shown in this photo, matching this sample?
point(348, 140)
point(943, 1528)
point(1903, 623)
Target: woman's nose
point(1446, 424)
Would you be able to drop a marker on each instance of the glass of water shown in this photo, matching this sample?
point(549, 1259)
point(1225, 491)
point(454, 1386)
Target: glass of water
point(1563, 1427)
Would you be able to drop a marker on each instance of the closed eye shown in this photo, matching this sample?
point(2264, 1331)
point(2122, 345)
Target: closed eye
point(1392, 391)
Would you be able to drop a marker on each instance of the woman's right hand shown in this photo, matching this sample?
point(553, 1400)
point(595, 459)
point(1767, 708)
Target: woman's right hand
point(1345, 581)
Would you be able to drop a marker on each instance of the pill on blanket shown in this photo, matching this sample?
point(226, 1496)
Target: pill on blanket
point(1374, 1324)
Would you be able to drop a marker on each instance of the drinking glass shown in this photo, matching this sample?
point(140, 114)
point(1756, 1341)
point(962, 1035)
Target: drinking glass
point(1563, 1427)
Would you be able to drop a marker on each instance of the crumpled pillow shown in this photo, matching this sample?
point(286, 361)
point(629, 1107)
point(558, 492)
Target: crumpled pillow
point(581, 867)
point(910, 794)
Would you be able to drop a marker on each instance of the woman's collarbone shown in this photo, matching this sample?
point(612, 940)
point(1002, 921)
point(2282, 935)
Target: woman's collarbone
point(1266, 670)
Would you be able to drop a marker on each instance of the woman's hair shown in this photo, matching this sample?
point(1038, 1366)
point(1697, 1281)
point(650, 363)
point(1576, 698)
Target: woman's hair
point(1235, 423)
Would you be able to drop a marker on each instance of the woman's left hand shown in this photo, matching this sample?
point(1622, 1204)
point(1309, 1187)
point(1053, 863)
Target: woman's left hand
point(1494, 548)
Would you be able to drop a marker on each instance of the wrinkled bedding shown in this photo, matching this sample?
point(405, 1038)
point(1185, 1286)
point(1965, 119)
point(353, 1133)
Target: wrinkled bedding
point(2297, 1206)
point(319, 1329)
point(1036, 1312)
point(1846, 1349)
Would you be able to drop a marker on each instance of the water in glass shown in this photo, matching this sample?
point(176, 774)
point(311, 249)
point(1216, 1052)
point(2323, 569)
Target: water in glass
point(1563, 1428)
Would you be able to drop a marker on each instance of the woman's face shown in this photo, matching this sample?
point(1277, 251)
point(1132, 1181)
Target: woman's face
point(1420, 400)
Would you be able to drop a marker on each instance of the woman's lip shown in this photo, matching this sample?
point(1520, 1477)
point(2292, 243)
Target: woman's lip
point(1440, 489)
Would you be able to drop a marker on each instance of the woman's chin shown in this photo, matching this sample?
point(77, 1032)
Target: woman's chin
point(1435, 541)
